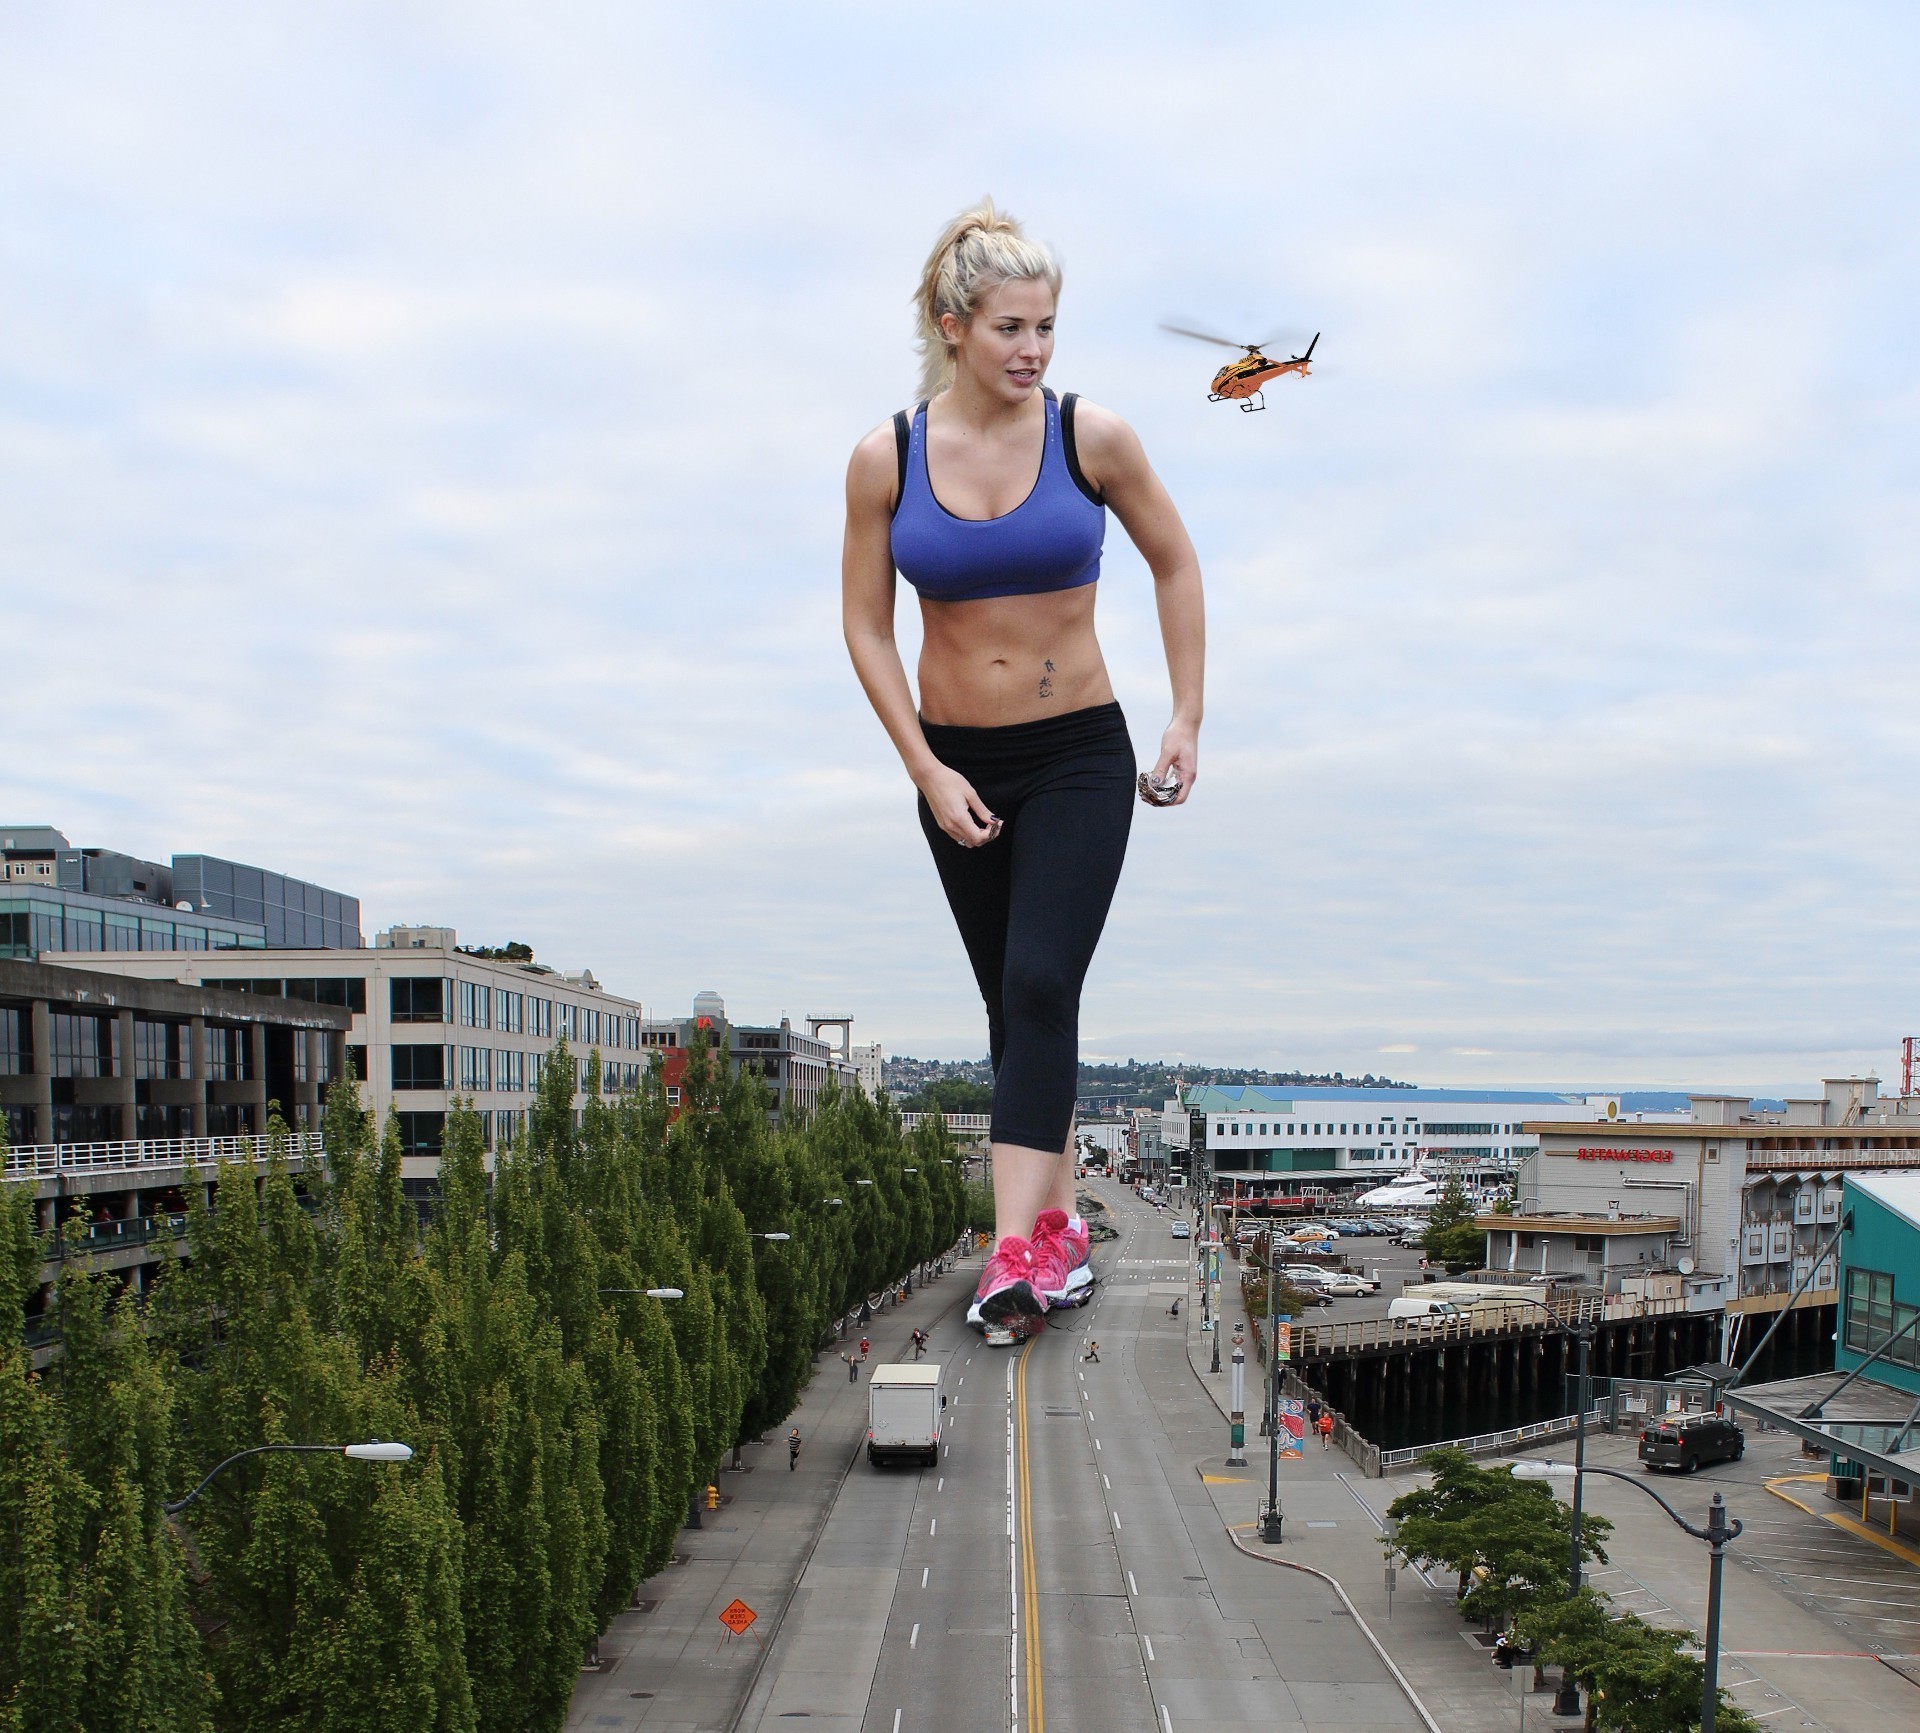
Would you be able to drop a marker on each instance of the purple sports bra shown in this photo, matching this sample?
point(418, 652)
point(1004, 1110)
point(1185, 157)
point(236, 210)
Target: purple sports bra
point(1050, 541)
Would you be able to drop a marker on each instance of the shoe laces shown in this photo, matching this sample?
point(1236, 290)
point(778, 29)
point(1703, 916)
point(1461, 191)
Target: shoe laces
point(1012, 1261)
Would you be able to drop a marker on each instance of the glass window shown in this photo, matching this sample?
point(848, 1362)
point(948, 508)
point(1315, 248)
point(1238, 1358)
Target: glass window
point(419, 1066)
point(82, 1045)
point(420, 1133)
point(16, 1041)
point(417, 999)
point(156, 935)
point(476, 1068)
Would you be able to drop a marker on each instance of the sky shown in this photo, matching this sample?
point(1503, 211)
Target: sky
point(423, 430)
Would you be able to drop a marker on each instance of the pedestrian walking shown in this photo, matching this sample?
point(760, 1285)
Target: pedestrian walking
point(864, 1346)
point(1093, 1351)
point(1173, 1311)
point(1313, 1413)
point(793, 1449)
point(853, 1368)
point(1326, 1431)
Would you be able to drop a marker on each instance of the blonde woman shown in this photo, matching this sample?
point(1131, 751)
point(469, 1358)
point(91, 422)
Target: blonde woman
point(990, 498)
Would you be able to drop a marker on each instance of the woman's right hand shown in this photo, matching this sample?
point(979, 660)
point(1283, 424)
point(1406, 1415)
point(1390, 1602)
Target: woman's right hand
point(958, 811)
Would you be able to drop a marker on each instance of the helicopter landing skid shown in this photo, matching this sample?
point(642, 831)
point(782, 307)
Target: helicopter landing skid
point(1247, 404)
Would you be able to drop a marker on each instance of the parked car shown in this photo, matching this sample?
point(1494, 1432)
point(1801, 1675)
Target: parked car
point(1687, 1440)
point(1344, 1285)
point(1417, 1311)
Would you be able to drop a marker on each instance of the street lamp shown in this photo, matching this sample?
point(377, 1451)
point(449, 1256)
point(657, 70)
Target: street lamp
point(376, 1450)
point(1719, 1530)
point(651, 1293)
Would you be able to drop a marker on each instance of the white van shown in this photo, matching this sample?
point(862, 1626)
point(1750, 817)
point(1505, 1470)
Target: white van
point(904, 1404)
point(1406, 1310)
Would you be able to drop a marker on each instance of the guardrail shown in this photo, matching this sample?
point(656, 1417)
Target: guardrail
point(137, 1155)
point(1494, 1319)
point(1487, 1443)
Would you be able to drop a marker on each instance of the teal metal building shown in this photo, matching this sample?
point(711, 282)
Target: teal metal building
point(1880, 1278)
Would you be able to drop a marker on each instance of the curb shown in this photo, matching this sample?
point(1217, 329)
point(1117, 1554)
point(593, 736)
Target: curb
point(1333, 1582)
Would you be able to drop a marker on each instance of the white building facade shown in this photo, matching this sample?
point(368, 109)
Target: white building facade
point(431, 1023)
point(1265, 1134)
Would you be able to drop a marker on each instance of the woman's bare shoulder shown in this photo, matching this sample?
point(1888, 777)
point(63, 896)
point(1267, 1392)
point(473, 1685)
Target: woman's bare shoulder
point(1105, 444)
point(875, 467)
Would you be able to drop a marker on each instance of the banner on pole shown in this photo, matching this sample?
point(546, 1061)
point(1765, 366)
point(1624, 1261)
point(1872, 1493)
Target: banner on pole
point(1283, 1340)
point(1293, 1425)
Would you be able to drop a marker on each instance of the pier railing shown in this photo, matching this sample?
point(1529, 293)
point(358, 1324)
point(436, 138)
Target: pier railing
point(1490, 1318)
point(1485, 1443)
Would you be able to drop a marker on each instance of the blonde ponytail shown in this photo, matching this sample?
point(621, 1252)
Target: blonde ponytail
point(980, 249)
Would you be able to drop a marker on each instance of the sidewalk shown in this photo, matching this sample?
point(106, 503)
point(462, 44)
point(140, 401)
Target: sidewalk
point(1333, 1526)
point(668, 1665)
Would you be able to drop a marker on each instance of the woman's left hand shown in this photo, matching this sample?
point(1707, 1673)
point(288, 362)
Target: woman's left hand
point(1180, 754)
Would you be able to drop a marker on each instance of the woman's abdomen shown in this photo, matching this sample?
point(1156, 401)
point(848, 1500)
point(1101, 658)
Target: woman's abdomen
point(1008, 659)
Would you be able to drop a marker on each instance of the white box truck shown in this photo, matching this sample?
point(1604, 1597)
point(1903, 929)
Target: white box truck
point(904, 1404)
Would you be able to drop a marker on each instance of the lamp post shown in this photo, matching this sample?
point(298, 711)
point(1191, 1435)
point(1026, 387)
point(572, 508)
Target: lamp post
point(1719, 1530)
point(375, 1450)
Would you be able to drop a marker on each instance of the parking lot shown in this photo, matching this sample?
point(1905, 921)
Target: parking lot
point(1821, 1626)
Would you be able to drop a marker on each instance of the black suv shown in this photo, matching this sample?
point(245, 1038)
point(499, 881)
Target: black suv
point(1688, 1440)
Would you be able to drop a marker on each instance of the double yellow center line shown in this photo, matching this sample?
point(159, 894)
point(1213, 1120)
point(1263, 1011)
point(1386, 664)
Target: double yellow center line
point(1029, 1614)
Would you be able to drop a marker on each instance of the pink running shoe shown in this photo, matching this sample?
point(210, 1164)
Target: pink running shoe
point(1007, 1287)
point(1060, 1259)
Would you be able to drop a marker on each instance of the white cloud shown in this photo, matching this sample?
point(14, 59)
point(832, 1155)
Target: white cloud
point(421, 437)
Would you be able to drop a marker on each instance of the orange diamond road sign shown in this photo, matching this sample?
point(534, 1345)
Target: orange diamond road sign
point(736, 1616)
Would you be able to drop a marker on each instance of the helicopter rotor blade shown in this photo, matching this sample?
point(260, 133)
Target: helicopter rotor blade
point(1203, 336)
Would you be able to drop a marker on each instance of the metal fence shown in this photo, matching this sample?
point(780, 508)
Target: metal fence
point(47, 1160)
point(1485, 1443)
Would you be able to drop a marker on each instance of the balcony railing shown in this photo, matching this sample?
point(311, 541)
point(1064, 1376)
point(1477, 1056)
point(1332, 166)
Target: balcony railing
point(137, 1155)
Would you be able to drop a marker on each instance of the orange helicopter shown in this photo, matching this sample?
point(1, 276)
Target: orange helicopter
point(1240, 381)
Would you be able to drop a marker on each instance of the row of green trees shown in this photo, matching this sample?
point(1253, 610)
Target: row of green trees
point(1510, 1542)
point(560, 1420)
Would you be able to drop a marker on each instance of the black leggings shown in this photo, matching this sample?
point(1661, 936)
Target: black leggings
point(1031, 903)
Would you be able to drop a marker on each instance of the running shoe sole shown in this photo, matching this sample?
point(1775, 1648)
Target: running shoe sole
point(1015, 1300)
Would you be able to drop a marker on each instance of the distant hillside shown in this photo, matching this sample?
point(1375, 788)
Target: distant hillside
point(1114, 1088)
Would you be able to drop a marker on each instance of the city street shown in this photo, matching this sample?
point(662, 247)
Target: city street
point(1075, 1561)
point(1066, 1567)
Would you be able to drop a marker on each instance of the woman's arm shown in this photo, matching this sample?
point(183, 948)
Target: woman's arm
point(866, 610)
point(1113, 461)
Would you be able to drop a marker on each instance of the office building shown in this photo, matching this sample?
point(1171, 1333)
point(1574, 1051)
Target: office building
point(119, 1098)
point(57, 898)
point(430, 1022)
point(1257, 1135)
point(1741, 1205)
point(796, 1066)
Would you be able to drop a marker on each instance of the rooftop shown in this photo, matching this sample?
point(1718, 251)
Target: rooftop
point(1898, 1189)
point(1574, 1222)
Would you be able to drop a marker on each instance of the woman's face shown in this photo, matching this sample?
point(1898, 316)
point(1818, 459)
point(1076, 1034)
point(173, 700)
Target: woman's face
point(1003, 350)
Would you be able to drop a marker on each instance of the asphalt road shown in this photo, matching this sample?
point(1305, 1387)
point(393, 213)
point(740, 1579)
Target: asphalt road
point(1064, 1569)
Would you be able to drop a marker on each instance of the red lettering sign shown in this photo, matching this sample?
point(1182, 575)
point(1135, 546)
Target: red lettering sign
point(736, 1616)
point(1624, 1154)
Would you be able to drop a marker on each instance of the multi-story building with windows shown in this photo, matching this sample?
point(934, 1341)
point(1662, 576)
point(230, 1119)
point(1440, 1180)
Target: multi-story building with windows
point(430, 1022)
point(57, 898)
point(1742, 1203)
point(794, 1065)
point(1252, 1133)
point(119, 1098)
